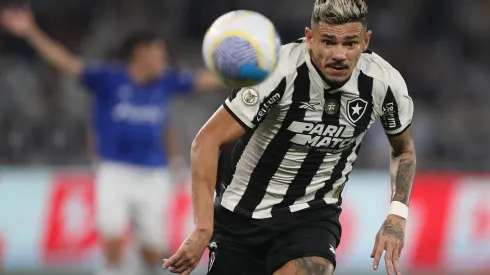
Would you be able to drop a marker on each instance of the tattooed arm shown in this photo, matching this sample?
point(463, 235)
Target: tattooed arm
point(391, 236)
point(402, 166)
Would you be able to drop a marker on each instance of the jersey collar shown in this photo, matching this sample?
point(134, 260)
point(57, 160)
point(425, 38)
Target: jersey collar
point(317, 77)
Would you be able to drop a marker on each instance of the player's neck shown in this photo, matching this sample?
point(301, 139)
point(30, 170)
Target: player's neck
point(139, 74)
point(331, 84)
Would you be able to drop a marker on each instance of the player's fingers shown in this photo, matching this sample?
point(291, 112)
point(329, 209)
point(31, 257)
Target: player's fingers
point(374, 247)
point(179, 270)
point(172, 260)
point(400, 249)
point(187, 262)
point(166, 263)
point(377, 255)
point(184, 269)
point(182, 262)
point(389, 258)
point(396, 259)
point(163, 265)
point(396, 263)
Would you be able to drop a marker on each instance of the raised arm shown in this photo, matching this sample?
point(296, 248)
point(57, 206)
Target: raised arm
point(20, 22)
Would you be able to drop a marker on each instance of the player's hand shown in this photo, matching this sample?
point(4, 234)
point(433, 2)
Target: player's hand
point(391, 238)
point(18, 20)
point(186, 259)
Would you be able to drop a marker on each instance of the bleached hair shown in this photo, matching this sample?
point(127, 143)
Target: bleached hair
point(338, 12)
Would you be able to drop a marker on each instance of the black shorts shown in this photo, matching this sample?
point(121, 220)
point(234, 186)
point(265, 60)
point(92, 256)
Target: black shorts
point(245, 246)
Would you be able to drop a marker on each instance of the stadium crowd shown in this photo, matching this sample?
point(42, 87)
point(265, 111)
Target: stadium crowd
point(440, 46)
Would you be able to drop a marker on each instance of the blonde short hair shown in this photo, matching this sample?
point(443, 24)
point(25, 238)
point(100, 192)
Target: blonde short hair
point(339, 12)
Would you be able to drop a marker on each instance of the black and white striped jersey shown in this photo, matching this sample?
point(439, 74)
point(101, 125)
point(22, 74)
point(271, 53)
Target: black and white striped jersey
point(303, 136)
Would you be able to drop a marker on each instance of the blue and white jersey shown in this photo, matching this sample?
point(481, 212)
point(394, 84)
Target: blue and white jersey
point(129, 119)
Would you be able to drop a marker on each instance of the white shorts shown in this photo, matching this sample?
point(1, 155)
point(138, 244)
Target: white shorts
point(127, 194)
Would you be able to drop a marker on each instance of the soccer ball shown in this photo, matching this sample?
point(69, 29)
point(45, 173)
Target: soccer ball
point(241, 48)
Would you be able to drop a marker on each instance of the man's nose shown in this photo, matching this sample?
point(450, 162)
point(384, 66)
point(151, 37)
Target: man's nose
point(339, 53)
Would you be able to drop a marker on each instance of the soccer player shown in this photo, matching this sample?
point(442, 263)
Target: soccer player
point(129, 131)
point(287, 148)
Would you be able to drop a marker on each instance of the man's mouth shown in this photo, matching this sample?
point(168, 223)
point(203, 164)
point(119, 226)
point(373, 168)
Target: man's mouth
point(337, 68)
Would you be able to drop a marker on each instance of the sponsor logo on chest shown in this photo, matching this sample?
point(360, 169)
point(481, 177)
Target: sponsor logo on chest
point(324, 137)
point(146, 114)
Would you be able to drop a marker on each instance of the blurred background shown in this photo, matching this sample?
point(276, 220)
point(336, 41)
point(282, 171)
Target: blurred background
point(440, 47)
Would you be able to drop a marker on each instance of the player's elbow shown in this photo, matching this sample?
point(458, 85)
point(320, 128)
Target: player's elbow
point(203, 142)
point(196, 145)
point(73, 66)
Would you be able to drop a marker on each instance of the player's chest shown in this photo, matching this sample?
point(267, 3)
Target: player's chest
point(330, 120)
point(339, 107)
point(136, 105)
point(141, 95)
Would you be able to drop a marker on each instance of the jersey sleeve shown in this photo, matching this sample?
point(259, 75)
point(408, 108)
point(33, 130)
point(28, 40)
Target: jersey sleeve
point(95, 75)
point(397, 106)
point(250, 105)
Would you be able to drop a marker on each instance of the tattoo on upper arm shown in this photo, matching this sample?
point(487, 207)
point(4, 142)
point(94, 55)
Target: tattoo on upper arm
point(313, 266)
point(403, 155)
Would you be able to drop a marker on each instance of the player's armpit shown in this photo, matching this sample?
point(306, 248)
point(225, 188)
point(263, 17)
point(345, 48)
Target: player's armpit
point(221, 128)
point(402, 165)
point(307, 266)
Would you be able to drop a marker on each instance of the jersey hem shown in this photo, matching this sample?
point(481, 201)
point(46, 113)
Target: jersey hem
point(249, 214)
point(134, 163)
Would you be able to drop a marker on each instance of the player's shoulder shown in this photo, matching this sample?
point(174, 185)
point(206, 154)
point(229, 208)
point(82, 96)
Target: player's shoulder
point(176, 73)
point(373, 65)
point(292, 55)
point(108, 67)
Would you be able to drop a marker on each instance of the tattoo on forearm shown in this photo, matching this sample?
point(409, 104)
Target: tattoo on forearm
point(312, 266)
point(396, 229)
point(404, 179)
point(403, 164)
point(188, 242)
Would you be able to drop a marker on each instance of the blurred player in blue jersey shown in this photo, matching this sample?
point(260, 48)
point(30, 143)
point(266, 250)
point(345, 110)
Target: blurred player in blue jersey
point(129, 126)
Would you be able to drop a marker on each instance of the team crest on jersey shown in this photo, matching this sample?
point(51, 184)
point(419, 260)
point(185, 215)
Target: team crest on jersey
point(331, 106)
point(250, 96)
point(355, 109)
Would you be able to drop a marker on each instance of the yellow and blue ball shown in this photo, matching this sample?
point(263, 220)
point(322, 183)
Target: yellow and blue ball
point(241, 48)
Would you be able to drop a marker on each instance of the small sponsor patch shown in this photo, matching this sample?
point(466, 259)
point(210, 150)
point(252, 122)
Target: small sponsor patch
point(250, 96)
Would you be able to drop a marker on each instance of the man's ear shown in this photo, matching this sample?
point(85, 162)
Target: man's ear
point(309, 37)
point(367, 39)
